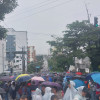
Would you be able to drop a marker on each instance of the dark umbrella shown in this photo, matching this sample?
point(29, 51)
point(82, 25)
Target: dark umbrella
point(2, 91)
point(79, 77)
point(70, 74)
point(5, 78)
point(23, 79)
point(88, 77)
point(52, 84)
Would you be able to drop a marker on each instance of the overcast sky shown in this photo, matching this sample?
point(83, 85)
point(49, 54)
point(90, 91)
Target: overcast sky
point(42, 18)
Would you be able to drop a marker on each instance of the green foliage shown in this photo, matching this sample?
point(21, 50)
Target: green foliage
point(5, 8)
point(2, 33)
point(32, 65)
point(59, 63)
point(81, 39)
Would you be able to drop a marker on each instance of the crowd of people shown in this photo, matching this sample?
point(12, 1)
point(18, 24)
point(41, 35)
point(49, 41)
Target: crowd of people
point(29, 90)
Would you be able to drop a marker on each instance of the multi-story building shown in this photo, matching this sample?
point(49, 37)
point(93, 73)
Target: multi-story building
point(31, 54)
point(3, 61)
point(20, 41)
point(10, 50)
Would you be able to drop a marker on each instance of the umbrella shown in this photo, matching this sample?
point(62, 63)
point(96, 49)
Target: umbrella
point(78, 83)
point(37, 78)
point(23, 79)
point(22, 76)
point(81, 77)
point(51, 84)
point(78, 73)
point(69, 74)
point(2, 91)
point(5, 78)
point(96, 78)
point(88, 77)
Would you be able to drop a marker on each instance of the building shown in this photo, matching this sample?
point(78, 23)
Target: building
point(19, 41)
point(10, 49)
point(31, 54)
point(3, 61)
point(82, 64)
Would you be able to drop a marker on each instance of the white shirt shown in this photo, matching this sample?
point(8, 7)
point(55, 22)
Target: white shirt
point(79, 97)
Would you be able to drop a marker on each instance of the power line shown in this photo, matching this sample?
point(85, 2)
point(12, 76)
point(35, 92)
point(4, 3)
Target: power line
point(29, 10)
point(46, 9)
point(36, 4)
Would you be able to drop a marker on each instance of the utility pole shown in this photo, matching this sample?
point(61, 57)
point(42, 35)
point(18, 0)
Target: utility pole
point(3, 56)
point(87, 12)
point(23, 60)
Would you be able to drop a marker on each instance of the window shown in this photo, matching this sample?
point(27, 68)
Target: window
point(17, 60)
point(17, 56)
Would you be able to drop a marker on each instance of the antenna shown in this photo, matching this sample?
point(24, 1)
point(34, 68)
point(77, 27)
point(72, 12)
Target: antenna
point(87, 12)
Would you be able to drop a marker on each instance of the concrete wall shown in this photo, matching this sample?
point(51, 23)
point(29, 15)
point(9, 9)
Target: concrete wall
point(3, 61)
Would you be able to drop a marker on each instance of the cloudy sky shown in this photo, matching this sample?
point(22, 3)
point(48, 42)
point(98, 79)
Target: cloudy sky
point(43, 18)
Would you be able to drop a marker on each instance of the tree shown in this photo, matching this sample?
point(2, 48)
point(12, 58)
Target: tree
point(2, 33)
point(5, 8)
point(81, 39)
point(32, 65)
point(59, 61)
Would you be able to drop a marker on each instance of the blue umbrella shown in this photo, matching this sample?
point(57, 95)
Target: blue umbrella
point(24, 79)
point(78, 83)
point(88, 77)
point(96, 78)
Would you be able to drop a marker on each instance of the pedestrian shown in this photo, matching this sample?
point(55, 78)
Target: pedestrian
point(43, 89)
point(0, 97)
point(99, 97)
point(92, 90)
point(13, 91)
point(54, 97)
point(70, 92)
point(66, 85)
point(23, 97)
point(54, 90)
point(48, 94)
point(81, 94)
point(97, 90)
point(20, 90)
point(28, 90)
point(37, 95)
point(24, 90)
point(33, 87)
point(6, 88)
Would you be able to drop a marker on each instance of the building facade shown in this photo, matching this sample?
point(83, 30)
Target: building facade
point(31, 54)
point(82, 64)
point(20, 41)
point(3, 61)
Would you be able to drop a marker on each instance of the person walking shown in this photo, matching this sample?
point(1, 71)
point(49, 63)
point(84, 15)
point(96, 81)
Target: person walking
point(48, 94)
point(37, 95)
point(81, 94)
point(6, 88)
point(70, 92)
point(13, 91)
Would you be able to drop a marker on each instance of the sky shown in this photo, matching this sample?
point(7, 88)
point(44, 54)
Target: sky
point(43, 18)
